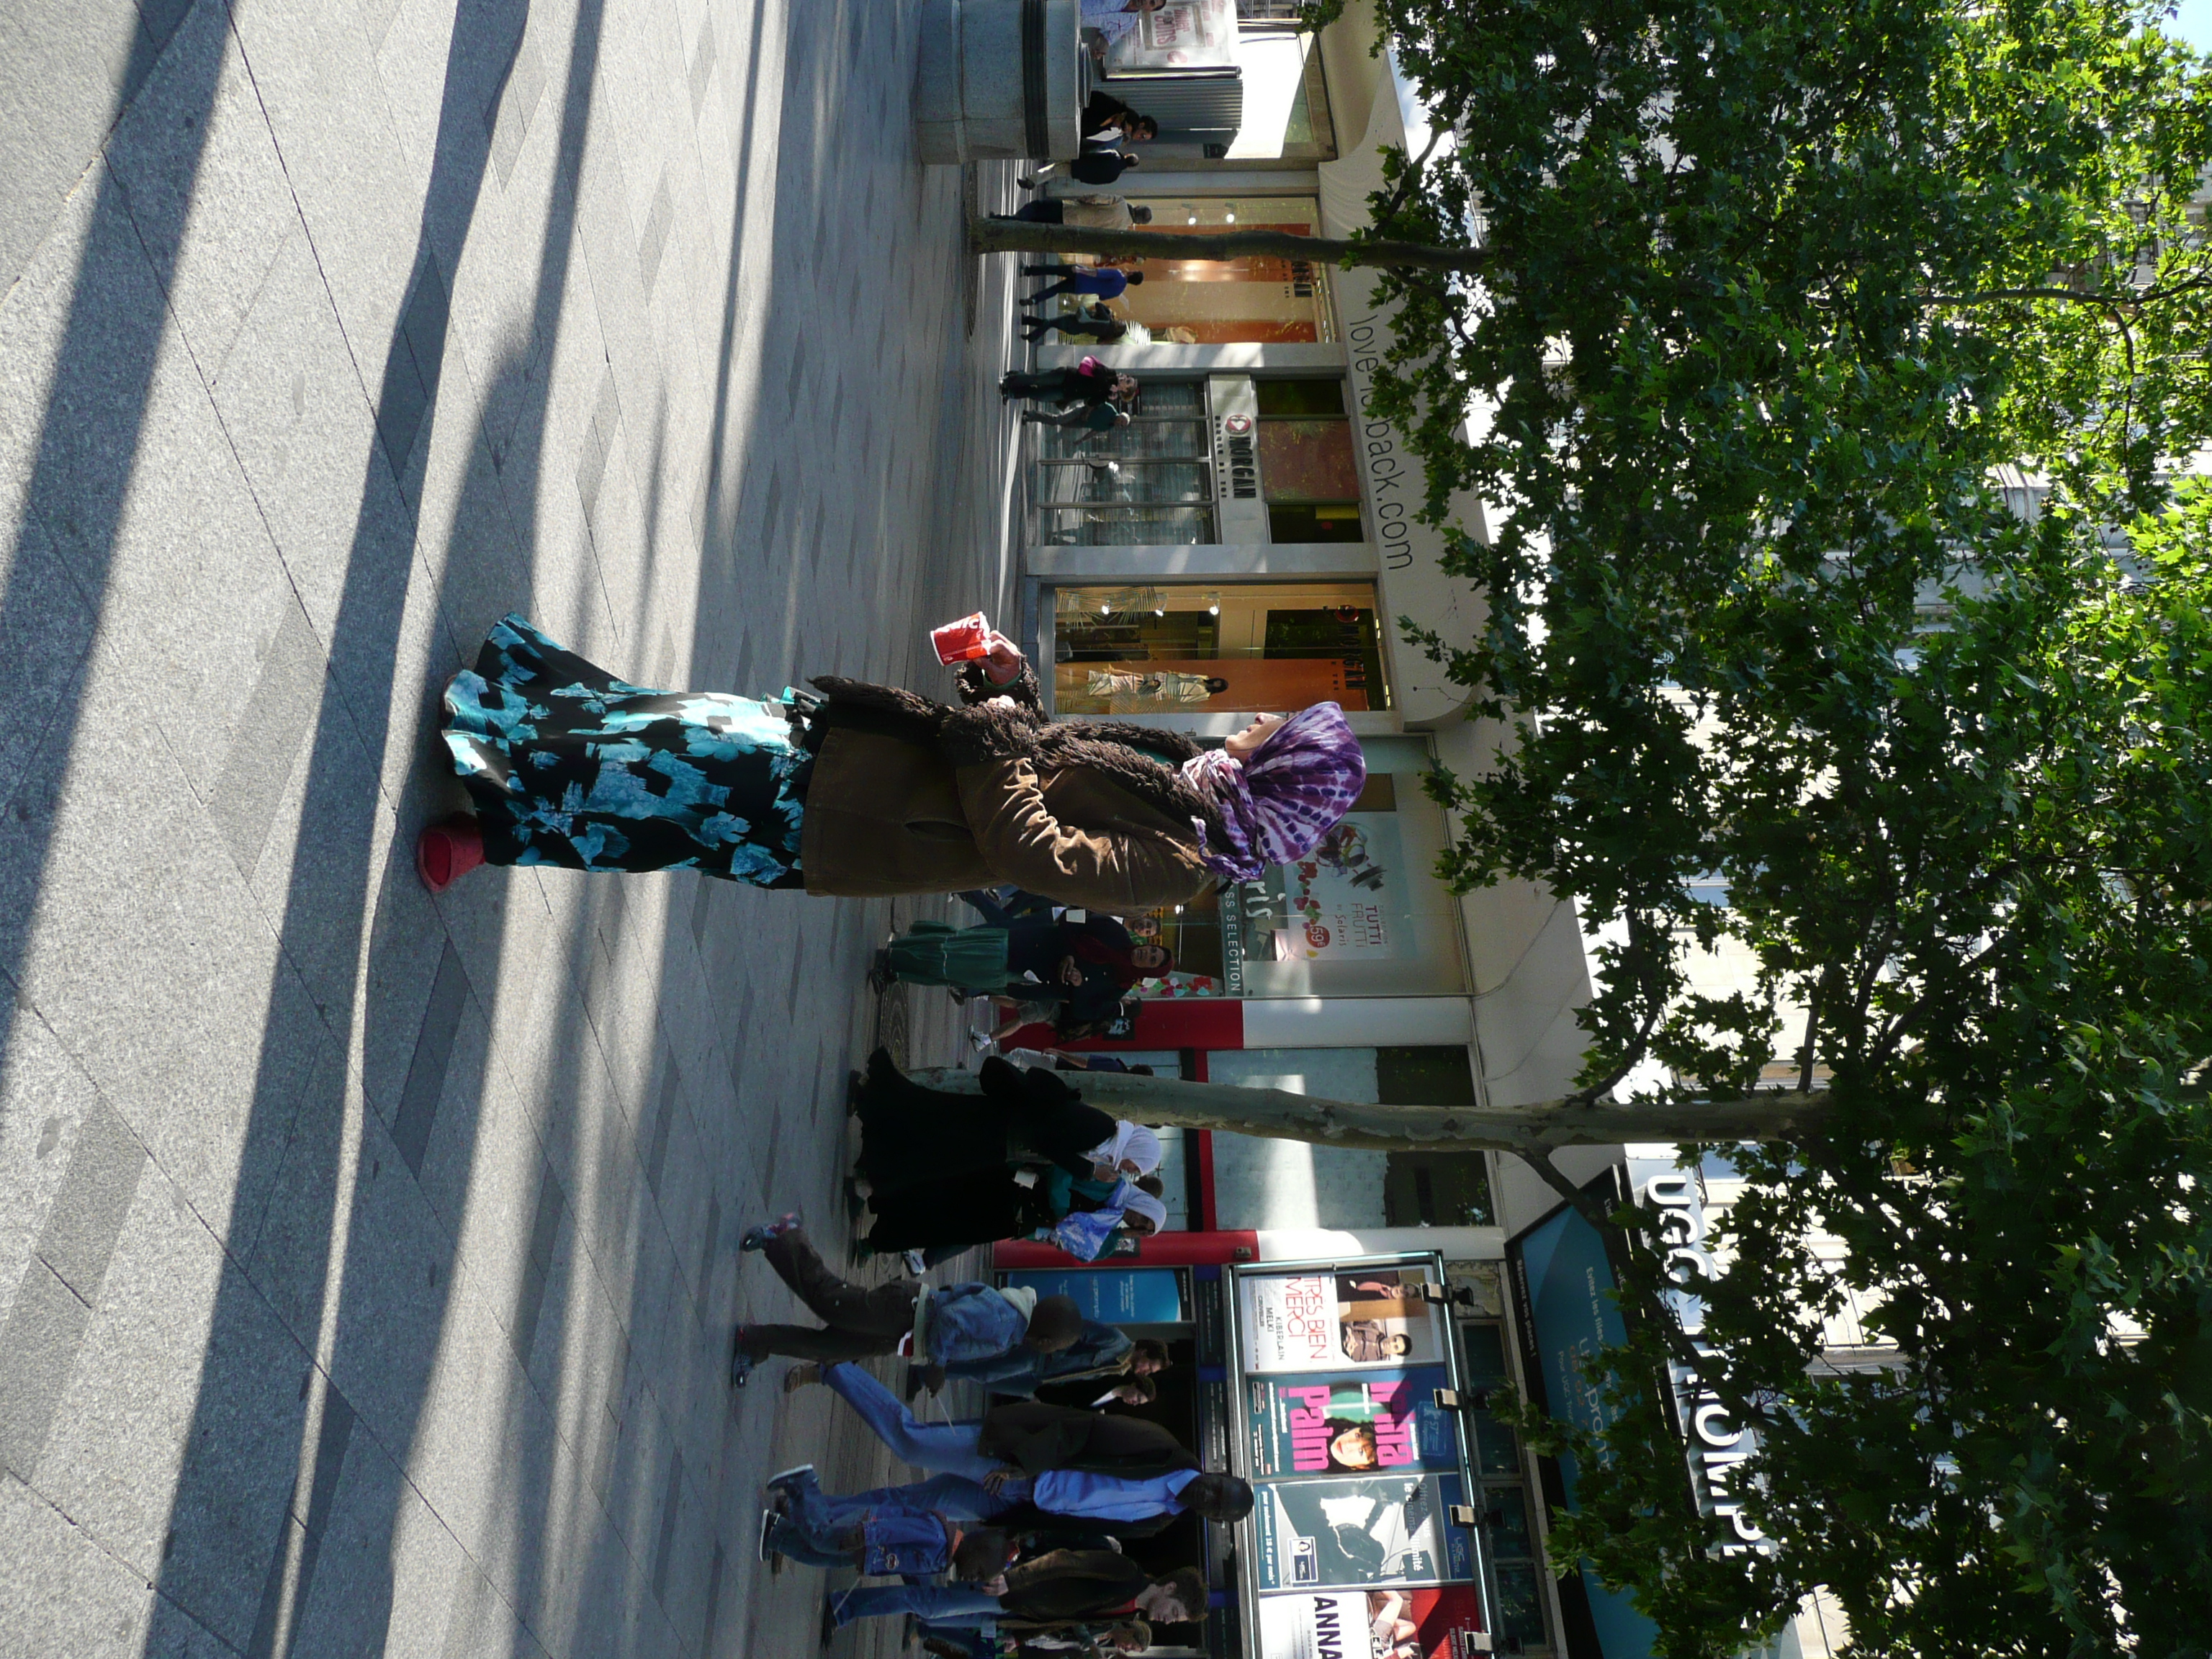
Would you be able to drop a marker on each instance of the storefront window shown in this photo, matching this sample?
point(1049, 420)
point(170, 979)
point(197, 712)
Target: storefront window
point(1184, 649)
point(1219, 302)
point(1308, 471)
point(1150, 483)
point(1363, 916)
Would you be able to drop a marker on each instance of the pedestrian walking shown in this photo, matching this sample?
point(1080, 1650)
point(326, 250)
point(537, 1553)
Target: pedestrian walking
point(960, 1321)
point(1107, 119)
point(1084, 1217)
point(1089, 381)
point(870, 791)
point(1018, 1502)
point(1096, 166)
point(1096, 324)
point(890, 1537)
point(1094, 281)
point(1062, 1587)
point(1084, 212)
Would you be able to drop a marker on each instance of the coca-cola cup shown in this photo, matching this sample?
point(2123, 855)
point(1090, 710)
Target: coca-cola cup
point(965, 640)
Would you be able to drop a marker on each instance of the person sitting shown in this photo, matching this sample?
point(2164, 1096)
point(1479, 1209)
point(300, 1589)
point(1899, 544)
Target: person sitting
point(959, 1322)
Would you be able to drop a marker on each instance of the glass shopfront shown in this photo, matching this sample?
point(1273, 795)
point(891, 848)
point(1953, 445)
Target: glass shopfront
point(1186, 648)
point(1260, 299)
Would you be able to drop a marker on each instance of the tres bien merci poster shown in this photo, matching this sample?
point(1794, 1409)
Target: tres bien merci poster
point(1337, 1320)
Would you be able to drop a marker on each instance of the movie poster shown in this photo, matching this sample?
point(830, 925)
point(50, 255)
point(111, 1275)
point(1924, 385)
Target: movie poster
point(1444, 1623)
point(1329, 1321)
point(1176, 34)
point(1366, 1422)
point(1377, 1529)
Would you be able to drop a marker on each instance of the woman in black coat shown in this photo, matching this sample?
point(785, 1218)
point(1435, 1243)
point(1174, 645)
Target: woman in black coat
point(912, 1137)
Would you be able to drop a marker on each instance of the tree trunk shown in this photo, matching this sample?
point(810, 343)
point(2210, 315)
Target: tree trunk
point(1021, 236)
point(1286, 1116)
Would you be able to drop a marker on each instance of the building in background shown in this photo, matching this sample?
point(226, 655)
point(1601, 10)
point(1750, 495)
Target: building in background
point(1248, 543)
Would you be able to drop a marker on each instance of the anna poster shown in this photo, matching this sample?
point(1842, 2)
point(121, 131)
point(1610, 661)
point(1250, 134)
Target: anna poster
point(1442, 1623)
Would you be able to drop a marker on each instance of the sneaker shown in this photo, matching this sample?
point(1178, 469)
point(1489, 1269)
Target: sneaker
point(768, 1551)
point(741, 1363)
point(828, 1620)
point(879, 973)
point(1026, 182)
point(788, 1477)
point(915, 1265)
point(756, 1238)
point(984, 1043)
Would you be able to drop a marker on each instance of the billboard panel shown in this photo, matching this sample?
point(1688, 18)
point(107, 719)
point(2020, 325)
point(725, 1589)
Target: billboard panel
point(1443, 1623)
point(1351, 1424)
point(1377, 1529)
point(1325, 1321)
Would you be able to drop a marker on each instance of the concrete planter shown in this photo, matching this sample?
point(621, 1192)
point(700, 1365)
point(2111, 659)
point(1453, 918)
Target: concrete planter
point(999, 79)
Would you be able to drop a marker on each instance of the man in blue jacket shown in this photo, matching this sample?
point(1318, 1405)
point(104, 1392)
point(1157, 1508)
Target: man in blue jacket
point(1021, 1370)
point(961, 1325)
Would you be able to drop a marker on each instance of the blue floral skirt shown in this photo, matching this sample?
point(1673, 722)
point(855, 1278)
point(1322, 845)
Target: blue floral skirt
point(568, 765)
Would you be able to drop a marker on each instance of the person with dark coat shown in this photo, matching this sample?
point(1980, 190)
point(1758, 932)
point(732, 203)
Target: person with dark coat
point(1098, 165)
point(872, 791)
point(1097, 324)
point(1106, 119)
point(1061, 1588)
point(942, 1221)
point(1032, 1438)
point(1090, 383)
point(916, 1138)
point(1087, 282)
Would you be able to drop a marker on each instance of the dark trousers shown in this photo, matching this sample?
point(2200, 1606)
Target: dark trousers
point(1040, 213)
point(1067, 284)
point(1055, 386)
point(862, 1319)
point(1102, 329)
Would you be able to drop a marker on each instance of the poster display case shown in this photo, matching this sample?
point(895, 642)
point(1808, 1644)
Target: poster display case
point(1362, 1543)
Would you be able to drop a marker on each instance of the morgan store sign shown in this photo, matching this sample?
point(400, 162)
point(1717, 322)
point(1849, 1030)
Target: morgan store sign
point(1236, 494)
point(1411, 554)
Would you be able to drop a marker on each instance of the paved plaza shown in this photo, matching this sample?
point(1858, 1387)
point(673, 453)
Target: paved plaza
point(367, 1259)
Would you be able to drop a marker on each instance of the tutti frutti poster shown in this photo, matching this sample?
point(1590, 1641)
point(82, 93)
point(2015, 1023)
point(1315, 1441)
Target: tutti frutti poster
point(1357, 1422)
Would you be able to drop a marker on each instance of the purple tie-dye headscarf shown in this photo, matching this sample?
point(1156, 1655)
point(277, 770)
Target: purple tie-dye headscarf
point(1275, 807)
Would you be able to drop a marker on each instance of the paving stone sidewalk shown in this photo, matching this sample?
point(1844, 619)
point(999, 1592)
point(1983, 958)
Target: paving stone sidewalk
point(366, 1260)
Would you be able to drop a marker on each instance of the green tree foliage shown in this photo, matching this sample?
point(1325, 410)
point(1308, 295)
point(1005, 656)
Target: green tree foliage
point(1776, 299)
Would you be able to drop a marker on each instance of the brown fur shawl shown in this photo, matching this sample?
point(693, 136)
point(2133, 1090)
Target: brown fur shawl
point(1125, 752)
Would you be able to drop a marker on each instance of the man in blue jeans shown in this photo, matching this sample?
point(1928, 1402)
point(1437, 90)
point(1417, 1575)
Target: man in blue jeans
point(976, 1485)
point(959, 1324)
